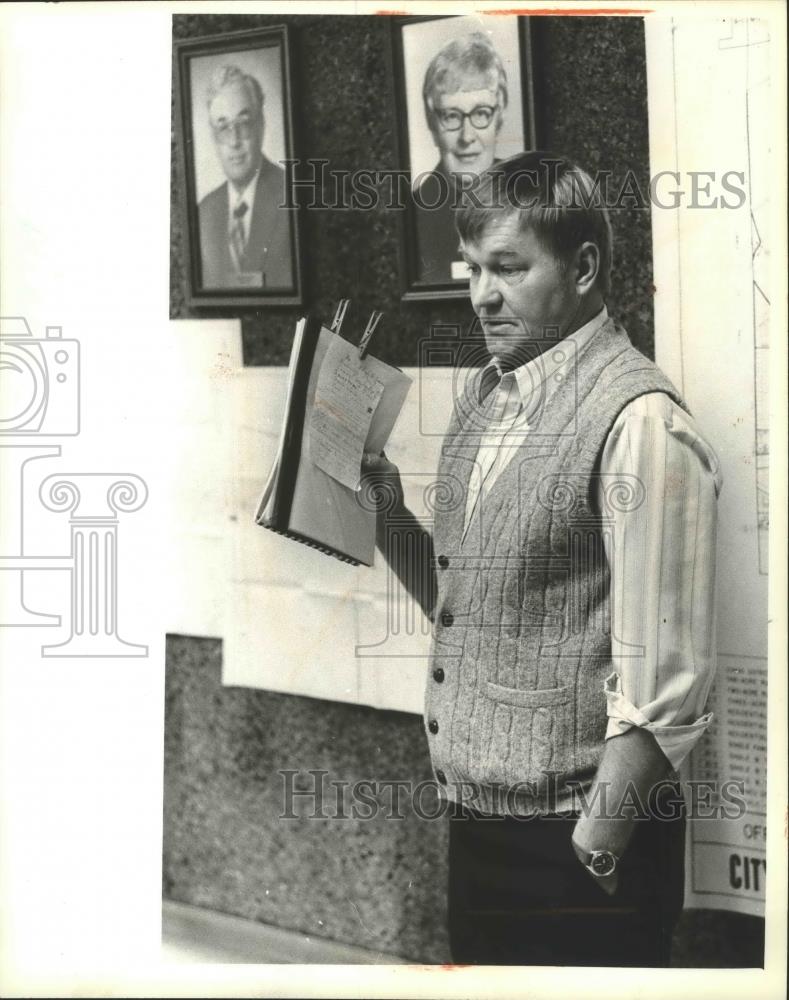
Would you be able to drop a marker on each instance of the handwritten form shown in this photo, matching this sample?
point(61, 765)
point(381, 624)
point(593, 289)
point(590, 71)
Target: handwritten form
point(346, 398)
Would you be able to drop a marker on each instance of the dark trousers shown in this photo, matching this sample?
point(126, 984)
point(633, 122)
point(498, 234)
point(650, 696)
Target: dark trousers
point(518, 895)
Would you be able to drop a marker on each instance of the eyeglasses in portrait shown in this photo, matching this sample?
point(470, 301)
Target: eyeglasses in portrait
point(464, 100)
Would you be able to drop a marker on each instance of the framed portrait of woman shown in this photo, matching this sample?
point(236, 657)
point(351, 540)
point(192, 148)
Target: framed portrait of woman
point(464, 100)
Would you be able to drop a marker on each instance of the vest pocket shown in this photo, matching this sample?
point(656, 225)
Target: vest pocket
point(532, 733)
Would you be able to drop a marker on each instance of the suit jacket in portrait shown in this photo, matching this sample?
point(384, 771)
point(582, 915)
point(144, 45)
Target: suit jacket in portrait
point(268, 257)
point(436, 237)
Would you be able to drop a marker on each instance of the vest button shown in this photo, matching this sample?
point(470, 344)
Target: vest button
point(433, 726)
point(443, 562)
point(447, 619)
point(438, 675)
point(441, 777)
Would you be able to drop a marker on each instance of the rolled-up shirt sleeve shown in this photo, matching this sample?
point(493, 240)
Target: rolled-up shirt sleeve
point(660, 549)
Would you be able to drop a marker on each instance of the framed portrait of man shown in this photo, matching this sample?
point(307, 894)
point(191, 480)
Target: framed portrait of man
point(464, 100)
point(235, 123)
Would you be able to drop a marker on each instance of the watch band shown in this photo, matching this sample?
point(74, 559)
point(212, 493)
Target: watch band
point(600, 863)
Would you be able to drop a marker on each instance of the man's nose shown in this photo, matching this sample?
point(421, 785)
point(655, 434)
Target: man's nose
point(486, 293)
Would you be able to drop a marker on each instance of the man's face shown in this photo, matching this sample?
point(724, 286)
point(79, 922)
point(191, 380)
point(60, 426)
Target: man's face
point(468, 149)
point(238, 132)
point(521, 293)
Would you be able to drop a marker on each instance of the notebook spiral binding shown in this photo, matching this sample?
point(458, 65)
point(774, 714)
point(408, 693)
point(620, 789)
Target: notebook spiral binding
point(312, 544)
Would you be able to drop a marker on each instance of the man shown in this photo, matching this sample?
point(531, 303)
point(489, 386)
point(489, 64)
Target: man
point(245, 238)
point(465, 97)
point(571, 590)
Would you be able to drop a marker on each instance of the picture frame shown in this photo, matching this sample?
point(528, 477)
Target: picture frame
point(241, 224)
point(433, 158)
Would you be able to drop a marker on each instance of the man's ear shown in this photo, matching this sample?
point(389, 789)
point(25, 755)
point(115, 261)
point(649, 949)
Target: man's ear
point(587, 267)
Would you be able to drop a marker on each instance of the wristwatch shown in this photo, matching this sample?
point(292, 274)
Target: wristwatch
point(599, 863)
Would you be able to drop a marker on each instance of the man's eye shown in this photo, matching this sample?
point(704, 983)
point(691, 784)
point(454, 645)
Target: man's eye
point(511, 273)
point(471, 269)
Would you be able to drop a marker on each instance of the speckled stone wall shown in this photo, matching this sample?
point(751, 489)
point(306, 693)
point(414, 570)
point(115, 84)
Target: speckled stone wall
point(378, 883)
point(591, 84)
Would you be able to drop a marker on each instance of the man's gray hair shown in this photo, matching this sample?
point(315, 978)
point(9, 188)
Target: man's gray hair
point(225, 75)
point(468, 56)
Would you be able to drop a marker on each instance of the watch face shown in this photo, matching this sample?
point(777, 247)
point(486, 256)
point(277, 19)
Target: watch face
point(603, 863)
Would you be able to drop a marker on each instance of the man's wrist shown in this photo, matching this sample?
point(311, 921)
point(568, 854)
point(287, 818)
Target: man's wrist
point(604, 832)
point(599, 844)
point(601, 862)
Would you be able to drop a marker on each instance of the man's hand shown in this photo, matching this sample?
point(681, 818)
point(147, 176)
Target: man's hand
point(631, 761)
point(381, 482)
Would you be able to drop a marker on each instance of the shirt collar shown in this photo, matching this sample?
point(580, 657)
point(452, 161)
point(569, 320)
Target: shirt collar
point(539, 378)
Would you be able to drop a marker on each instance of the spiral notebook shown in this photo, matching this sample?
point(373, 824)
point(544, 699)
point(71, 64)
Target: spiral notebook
point(340, 401)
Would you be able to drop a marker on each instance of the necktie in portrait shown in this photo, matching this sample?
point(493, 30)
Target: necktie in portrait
point(238, 239)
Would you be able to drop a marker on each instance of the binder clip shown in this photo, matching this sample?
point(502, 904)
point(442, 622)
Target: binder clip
point(372, 323)
point(339, 316)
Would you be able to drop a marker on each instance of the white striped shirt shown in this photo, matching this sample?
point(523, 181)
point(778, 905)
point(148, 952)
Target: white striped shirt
point(661, 554)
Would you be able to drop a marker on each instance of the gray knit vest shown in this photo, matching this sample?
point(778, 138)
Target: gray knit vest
point(515, 709)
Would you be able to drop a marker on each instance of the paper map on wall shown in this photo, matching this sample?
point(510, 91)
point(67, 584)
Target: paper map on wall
point(724, 377)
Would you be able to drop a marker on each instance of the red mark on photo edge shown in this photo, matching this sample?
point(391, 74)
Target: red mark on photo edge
point(565, 12)
point(547, 11)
